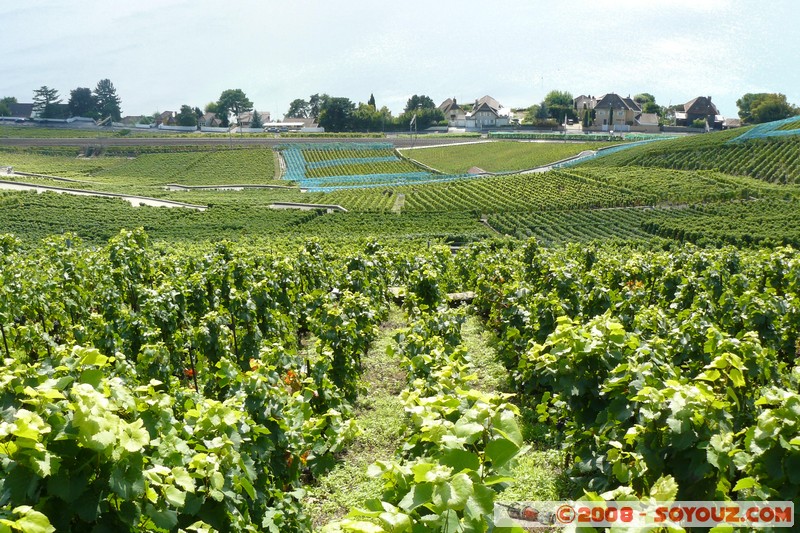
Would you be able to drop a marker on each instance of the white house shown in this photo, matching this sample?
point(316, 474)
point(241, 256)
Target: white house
point(487, 113)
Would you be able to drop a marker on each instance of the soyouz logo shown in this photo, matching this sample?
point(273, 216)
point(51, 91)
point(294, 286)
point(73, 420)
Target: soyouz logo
point(751, 514)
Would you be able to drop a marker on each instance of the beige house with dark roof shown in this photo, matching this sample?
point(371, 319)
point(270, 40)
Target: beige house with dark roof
point(487, 113)
point(456, 116)
point(615, 112)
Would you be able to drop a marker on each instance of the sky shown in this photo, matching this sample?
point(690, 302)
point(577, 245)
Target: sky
point(160, 54)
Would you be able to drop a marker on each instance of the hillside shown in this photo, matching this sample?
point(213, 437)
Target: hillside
point(745, 152)
point(632, 194)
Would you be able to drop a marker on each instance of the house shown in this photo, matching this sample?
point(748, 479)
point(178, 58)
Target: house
point(613, 112)
point(487, 113)
point(302, 121)
point(167, 118)
point(454, 114)
point(583, 103)
point(210, 120)
point(647, 122)
point(245, 119)
point(132, 120)
point(21, 111)
point(700, 108)
point(729, 123)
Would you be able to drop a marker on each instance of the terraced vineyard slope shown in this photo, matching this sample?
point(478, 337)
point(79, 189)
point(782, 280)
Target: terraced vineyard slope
point(775, 159)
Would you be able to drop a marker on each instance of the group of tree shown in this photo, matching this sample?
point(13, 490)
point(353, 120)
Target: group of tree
point(756, 108)
point(556, 107)
point(101, 103)
point(340, 114)
point(5, 103)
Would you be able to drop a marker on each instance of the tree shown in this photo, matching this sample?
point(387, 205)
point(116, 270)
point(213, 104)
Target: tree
point(256, 122)
point(315, 103)
point(107, 101)
point(765, 107)
point(186, 116)
point(648, 103)
point(211, 107)
point(45, 101)
point(543, 112)
point(298, 108)
point(559, 105)
point(419, 102)
point(371, 101)
point(5, 105)
point(198, 113)
point(232, 102)
point(336, 114)
point(426, 117)
point(82, 103)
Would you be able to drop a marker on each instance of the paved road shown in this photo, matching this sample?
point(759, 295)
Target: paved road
point(221, 141)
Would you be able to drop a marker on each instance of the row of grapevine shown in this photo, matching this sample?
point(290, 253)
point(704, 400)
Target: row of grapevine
point(649, 366)
point(460, 441)
point(178, 391)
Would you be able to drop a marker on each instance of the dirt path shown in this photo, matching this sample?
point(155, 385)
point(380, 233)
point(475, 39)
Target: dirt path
point(135, 201)
point(399, 203)
point(379, 413)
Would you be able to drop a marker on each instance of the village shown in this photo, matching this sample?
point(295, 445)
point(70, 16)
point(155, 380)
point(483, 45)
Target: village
point(609, 112)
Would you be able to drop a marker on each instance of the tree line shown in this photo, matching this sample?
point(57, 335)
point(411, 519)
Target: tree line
point(341, 114)
point(100, 103)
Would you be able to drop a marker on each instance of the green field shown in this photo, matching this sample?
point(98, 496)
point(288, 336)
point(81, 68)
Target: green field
point(496, 156)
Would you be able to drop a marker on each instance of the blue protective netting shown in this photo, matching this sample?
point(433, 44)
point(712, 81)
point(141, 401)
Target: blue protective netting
point(296, 167)
point(351, 161)
point(768, 129)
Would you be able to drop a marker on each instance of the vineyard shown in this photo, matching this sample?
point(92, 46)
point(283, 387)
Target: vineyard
point(557, 227)
point(681, 186)
point(218, 167)
point(551, 190)
point(743, 224)
point(497, 156)
point(631, 330)
point(148, 167)
point(35, 216)
point(337, 166)
point(771, 159)
point(207, 387)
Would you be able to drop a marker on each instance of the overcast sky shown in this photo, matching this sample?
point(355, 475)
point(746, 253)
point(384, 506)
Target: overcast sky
point(163, 53)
